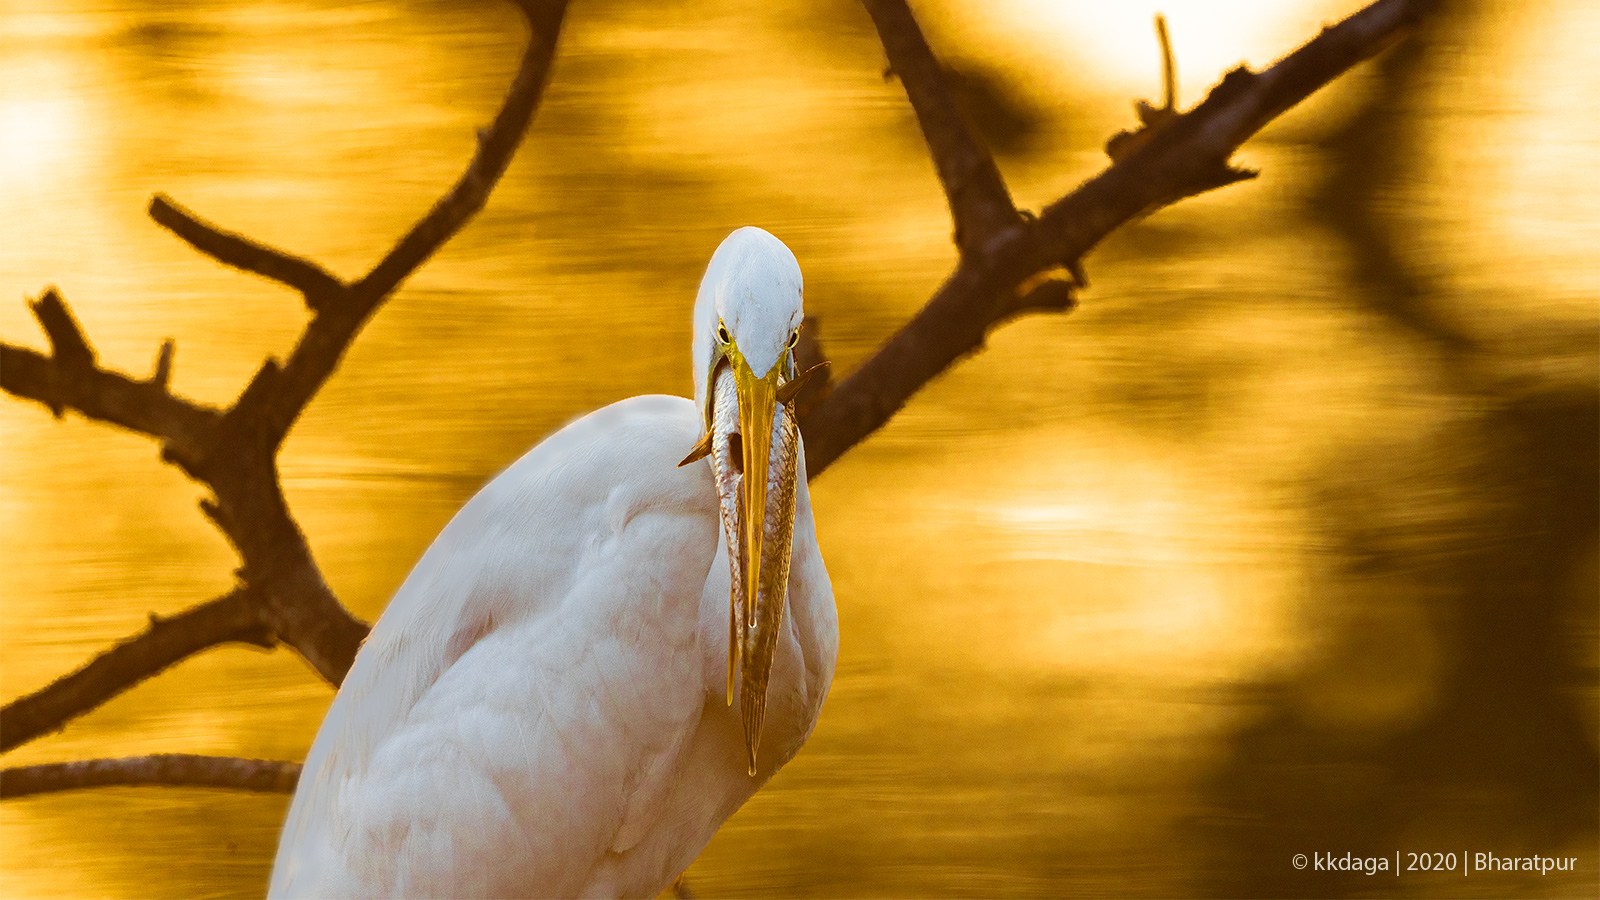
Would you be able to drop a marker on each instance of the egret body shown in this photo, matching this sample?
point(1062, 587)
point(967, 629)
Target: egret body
point(546, 707)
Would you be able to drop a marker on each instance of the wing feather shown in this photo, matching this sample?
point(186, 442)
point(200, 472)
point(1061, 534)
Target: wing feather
point(518, 707)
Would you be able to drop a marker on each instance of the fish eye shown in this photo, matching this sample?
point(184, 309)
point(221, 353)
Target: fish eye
point(722, 333)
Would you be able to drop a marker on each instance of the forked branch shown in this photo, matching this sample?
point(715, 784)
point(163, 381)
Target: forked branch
point(1007, 267)
point(1187, 155)
point(317, 284)
point(233, 451)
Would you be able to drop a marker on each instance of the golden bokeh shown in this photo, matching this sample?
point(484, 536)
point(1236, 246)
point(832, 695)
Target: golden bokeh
point(1078, 576)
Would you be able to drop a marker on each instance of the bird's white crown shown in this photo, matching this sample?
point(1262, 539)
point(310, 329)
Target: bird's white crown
point(753, 288)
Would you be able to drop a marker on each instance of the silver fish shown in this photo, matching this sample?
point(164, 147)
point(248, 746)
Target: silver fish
point(753, 640)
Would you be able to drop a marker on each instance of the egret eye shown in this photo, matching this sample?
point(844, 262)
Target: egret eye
point(722, 333)
point(794, 338)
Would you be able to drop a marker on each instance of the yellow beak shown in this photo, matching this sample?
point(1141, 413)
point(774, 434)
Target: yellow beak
point(757, 400)
point(755, 453)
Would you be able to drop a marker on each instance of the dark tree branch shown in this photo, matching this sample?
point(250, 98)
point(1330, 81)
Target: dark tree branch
point(496, 146)
point(223, 450)
point(1191, 155)
point(70, 379)
point(66, 335)
point(170, 769)
point(979, 202)
point(1008, 266)
point(317, 284)
point(234, 451)
point(325, 339)
point(232, 617)
point(1182, 156)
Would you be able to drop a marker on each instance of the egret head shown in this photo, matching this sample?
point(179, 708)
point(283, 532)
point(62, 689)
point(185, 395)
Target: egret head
point(752, 288)
point(747, 320)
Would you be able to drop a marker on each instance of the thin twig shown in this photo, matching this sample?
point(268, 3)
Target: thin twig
point(1169, 70)
point(168, 769)
point(232, 617)
point(317, 284)
point(320, 348)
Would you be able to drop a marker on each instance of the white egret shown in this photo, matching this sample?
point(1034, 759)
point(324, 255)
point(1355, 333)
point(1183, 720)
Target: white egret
point(545, 707)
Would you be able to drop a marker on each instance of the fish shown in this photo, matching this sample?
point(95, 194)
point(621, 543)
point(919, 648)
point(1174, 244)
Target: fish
point(752, 641)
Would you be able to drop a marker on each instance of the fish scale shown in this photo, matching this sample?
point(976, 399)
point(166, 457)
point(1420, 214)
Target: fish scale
point(751, 654)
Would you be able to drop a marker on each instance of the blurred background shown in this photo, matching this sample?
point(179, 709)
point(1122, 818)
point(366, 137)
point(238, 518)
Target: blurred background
point(1285, 542)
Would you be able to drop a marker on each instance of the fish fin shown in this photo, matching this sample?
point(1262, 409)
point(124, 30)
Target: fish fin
point(789, 391)
point(700, 451)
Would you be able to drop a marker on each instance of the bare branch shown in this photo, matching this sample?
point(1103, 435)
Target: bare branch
point(1010, 265)
point(317, 284)
point(496, 146)
point(1186, 155)
point(979, 202)
point(1192, 154)
point(301, 608)
point(234, 451)
point(168, 769)
point(219, 449)
point(295, 600)
point(331, 331)
point(232, 617)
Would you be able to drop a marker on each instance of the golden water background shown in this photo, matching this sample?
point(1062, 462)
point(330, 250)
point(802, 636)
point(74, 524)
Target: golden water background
point(1072, 575)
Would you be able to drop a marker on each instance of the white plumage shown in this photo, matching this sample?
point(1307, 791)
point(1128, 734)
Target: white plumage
point(542, 709)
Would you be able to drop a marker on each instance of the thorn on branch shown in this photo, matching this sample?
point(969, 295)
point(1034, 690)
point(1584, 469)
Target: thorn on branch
point(163, 372)
point(1238, 81)
point(1218, 176)
point(1055, 295)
